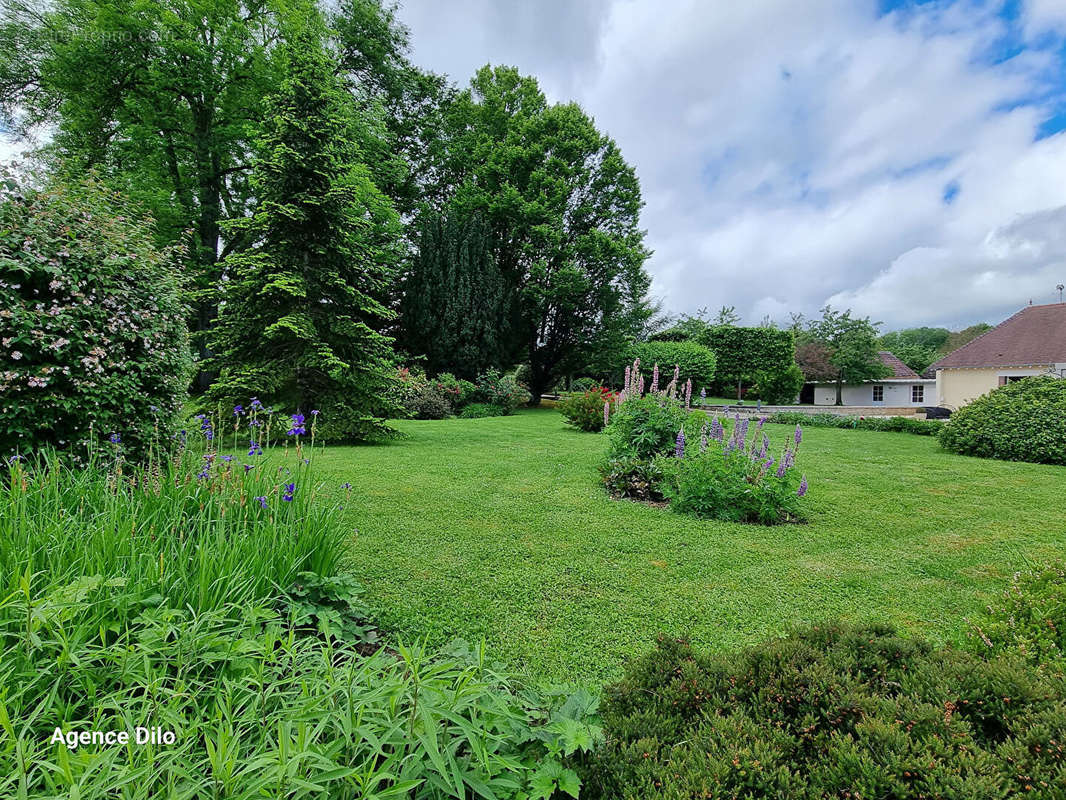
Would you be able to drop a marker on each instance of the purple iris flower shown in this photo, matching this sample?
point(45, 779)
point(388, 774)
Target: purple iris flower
point(114, 438)
point(262, 501)
point(227, 459)
point(238, 410)
point(248, 468)
point(346, 485)
point(290, 490)
point(254, 449)
point(297, 428)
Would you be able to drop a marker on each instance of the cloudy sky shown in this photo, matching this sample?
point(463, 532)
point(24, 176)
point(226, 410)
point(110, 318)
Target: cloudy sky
point(905, 160)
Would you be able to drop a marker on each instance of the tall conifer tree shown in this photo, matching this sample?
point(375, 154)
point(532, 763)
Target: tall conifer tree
point(455, 310)
point(299, 325)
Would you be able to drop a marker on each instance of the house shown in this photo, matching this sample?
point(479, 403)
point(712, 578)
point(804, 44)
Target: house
point(1032, 342)
point(902, 388)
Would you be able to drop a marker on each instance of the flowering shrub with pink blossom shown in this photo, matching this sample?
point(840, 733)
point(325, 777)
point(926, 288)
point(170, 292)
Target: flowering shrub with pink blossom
point(93, 338)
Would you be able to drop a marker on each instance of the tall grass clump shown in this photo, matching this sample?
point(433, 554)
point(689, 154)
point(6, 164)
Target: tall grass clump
point(186, 602)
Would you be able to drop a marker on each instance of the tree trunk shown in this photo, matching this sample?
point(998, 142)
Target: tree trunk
point(840, 391)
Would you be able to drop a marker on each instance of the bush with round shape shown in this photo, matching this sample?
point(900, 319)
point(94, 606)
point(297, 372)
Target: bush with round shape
point(480, 410)
point(830, 711)
point(645, 426)
point(694, 361)
point(778, 387)
point(1022, 421)
point(584, 410)
point(93, 339)
point(496, 389)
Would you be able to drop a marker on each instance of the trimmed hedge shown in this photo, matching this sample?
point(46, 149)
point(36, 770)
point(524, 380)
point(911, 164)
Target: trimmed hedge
point(1022, 421)
point(919, 427)
point(832, 711)
point(693, 361)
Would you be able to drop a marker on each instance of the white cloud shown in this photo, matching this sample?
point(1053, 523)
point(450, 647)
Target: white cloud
point(794, 153)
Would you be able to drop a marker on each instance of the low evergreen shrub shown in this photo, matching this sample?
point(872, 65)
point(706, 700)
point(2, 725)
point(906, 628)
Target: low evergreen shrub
point(479, 410)
point(831, 711)
point(1029, 619)
point(918, 427)
point(1022, 421)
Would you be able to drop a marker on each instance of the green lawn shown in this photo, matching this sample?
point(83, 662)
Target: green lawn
point(498, 529)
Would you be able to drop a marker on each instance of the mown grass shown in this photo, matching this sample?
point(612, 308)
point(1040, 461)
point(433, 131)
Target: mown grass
point(498, 529)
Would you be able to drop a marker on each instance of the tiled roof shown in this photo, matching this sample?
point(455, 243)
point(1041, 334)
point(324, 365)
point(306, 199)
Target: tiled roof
point(1035, 335)
point(899, 369)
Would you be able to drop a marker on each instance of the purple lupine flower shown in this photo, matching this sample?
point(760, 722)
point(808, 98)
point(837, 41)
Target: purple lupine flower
point(688, 394)
point(254, 449)
point(640, 386)
point(717, 431)
point(626, 386)
point(606, 412)
point(114, 438)
point(655, 378)
point(802, 487)
point(769, 462)
point(703, 397)
point(703, 437)
point(290, 490)
point(786, 463)
point(677, 373)
point(742, 436)
point(297, 428)
point(799, 435)
point(679, 447)
point(261, 499)
point(765, 446)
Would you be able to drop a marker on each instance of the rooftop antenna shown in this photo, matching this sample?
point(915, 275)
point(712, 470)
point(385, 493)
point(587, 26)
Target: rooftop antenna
point(1060, 287)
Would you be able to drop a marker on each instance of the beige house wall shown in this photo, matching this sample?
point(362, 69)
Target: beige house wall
point(957, 387)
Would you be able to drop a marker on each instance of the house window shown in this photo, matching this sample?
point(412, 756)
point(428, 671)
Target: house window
point(917, 393)
point(879, 394)
point(1005, 379)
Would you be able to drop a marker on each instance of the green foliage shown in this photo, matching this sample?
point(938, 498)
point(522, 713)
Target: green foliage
point(745, 354)
point(1022, 421)
point(851, 345)
point(633, 477)
point(332, 606)
point(167, 102)
point(778, 387)
point(1029, 619)
point(502, 391)
point(919, 427)
point(831, 711)
point(934, 339)
point(299, 326)
point(564, 207)
point(458, 391)
point(92, 335)
point(694, 361)
point(584, 410)
point(455, 309)
point(165, 610)
point(645, 427)
point(480, 410)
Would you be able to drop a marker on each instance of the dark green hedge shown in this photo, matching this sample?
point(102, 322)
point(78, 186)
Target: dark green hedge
point(693, 360)
point(919, 427)
point(832, 711)
point(745, 353)
point(1022, 421)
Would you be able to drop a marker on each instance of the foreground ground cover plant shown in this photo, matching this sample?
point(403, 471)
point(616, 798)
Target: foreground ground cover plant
point(200, 594)
point(1022, 421)
point(830, 711)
